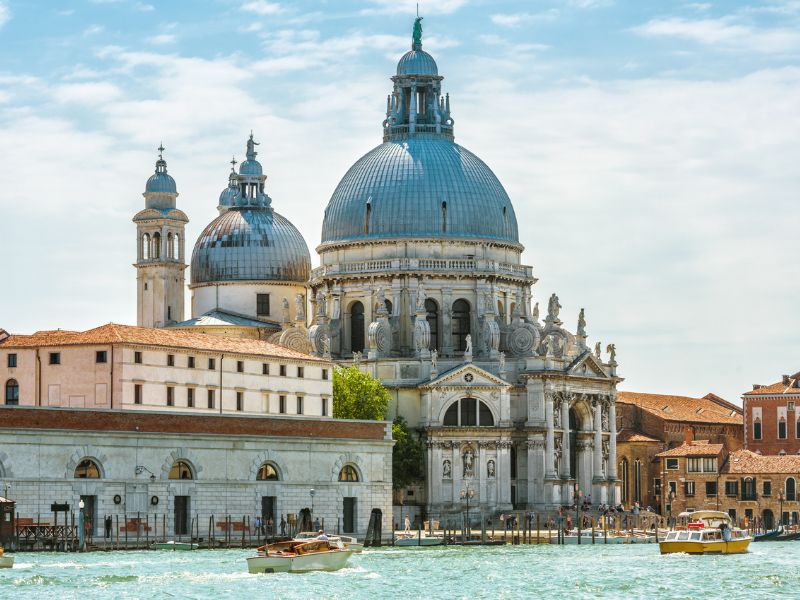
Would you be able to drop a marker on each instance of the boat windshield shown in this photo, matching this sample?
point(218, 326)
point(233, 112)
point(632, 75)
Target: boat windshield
point(683, 536)
point(696, 536)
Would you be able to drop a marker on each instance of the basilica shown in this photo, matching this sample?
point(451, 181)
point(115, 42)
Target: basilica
point(420, 283)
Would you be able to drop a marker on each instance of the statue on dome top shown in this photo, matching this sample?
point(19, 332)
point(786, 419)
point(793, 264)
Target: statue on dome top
point(417, 35)
point(251, 147)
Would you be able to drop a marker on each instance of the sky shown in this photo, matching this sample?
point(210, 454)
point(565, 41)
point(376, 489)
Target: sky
point(650, 148)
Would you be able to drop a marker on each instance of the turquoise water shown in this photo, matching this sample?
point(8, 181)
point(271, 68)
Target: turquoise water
point(639, 571)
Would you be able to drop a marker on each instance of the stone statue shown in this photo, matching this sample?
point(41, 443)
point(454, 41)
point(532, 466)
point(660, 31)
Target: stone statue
point(285, 310)
point(420, 297)
point(548, 346)
point(299, 308)
point(557, 415)
point(553, 307)
point(469, 459)
point(468, 341)
point(381, 298)
point(416, 37)
point(612, 350)
point(356, 358)
point(488, 302)
point(326, 346)
point(597, 347)
point(581, 324)
point(434, 358)
point(536, 312)
point(557, 453)
point(502, 361)
point(490, 469)
point(604, 419)
point(446, 470)
point(558, 350)
point(322, 309)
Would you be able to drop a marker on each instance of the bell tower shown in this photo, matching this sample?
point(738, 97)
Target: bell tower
point(160, 258)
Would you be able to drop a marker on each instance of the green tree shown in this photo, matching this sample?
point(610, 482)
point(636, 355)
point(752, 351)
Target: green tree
point(408, 457)
point(358, 395)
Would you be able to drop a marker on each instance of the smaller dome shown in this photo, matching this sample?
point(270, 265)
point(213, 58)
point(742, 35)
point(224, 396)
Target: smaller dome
point(251, 167)
point(417, 62)
point(161, 182)
point(228, 196)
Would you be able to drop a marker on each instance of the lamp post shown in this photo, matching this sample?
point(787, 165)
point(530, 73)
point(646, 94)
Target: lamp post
point(466, 494)
point(671, 497)
point(311, 493)
point(81, 525)
point(781, 498)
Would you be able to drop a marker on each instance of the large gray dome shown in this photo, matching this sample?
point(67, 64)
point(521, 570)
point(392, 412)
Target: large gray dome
point(419, 187)
point(250, 244)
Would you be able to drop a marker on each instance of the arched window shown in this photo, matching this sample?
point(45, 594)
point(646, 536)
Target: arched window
point(459, 324)
point(146, 251)
point(468, 412)
point(797, 427)
point(637, 480)
point(156, 245)
point(791, 489)
point(348, 473)
point(367, 215)
point(12, 392)
point(181, 470)
point(782, 428)
point(501, 311)
point(176, 250)
point(432, 316)
point(623, 469)
point(444, 217)
point(757, 429)
point(170, 247)
point(357, 327)
point(87, 469)
point(267, 472)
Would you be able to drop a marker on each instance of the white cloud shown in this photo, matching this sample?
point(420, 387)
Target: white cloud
point(92, 93)
point(5, 14)
point(262, 7)
point(93, 30)
point(723, 32)
point(590, 3)
point(161, 39)
point(409, 7)
point(518, 19)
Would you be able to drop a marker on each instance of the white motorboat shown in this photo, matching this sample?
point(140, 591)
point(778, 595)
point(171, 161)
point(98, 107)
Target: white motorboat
point(611, 538)
point(298, 556)
point(6, 560)
point(417, 538)
point(348, 542)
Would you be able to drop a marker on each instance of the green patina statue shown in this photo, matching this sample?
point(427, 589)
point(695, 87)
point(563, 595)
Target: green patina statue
point(417, 35)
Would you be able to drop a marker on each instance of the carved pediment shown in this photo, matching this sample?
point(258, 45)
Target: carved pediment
point(587, 365)
point(466, 376)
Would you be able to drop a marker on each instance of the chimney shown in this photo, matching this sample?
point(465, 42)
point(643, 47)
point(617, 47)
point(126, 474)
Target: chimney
point(688, 436)
point(757, 386)
point(785, 380)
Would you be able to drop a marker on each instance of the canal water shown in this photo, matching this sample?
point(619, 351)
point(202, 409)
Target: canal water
point(770, 570)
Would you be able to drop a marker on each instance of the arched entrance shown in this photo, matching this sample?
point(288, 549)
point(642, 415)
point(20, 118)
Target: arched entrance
point(357, 327)
point(768, 519)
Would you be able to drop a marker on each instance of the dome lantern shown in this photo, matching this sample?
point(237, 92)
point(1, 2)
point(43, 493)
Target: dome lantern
point(160, 190)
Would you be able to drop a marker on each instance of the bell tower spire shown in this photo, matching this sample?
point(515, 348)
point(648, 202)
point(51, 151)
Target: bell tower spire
point(160, 260)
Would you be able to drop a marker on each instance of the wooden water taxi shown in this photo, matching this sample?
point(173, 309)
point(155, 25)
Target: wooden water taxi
point(173, 545)
point(707, 532)
point(349, 543)
point(6, 560)
point(418, 538)
point(298, 556)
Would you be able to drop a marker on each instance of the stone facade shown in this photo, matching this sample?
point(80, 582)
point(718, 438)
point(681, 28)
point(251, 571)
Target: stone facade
point(772, 419)
point(134, 454)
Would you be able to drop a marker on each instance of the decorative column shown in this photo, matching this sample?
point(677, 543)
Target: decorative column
point(549, 440)
point(457, 470)
point(482, 477)
point(446, 333)
point(565, 449)
point(612, 442)
point(597, 467)
point(430, 470)
point(412, 110)
point(503, 475)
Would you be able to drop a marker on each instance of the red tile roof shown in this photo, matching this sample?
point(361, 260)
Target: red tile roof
point(745, 462)
point(114, 333)
point(684, 408)
point(787, 386)
point(694, 448)
point(631, 435)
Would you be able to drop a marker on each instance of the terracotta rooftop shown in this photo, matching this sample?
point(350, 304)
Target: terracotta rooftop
point(710, 409)
point(745, 462)
point(787, 386)
point(631, 435)
point(693, 448)
point(114, 333)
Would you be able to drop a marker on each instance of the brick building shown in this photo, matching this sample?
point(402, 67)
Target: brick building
point(651, 423)
point(772, 421)
point(752, 488)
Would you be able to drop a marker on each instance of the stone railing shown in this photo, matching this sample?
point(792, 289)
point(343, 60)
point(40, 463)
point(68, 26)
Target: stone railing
point(431, 265)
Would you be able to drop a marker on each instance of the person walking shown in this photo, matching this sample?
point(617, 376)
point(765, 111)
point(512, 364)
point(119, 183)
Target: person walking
point(283, 526)
point(408, 523)
point(108, 522)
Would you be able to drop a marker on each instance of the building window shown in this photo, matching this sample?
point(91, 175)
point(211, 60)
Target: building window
point(190, 397)
point(299, 405)
point(694, 465)
point(170, 360)
point(459, 324)
point(55, 358)
point(623, 469)
point(673, 487)
point(757, 429)
point(240, 401)
point(732, 515)
point(190, 362)
point(324, 407)
point(688, 488)
point(766, 488)
point(657, 486)
point(170, 396)
point(282, 404)
point(782, 429)
point(282, 370)
point(790, 405)
point(791, 492)
point(212, 364)
point(468, 412)
point(87, 469)
point(265, 369)
point(732, 488)
point(262, 305)
point(137, 393)
point(267, 472)
point(181, 470)
point(137, 358)
point(357, 327)
point(348, 473)
point(637, 481)
point(749, 489)
point(672, 464)
point(101, 356)
point(711, 488)
point(12, 392)
point(710, 465)
point(210, 398)
point(301, 372)
point(432, 316)
point(325, 378)
point(12, 361)
point(797, 429)
point(240, 366)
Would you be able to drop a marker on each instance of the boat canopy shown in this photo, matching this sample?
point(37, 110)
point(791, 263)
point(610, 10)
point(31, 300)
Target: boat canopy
point(705, 514)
